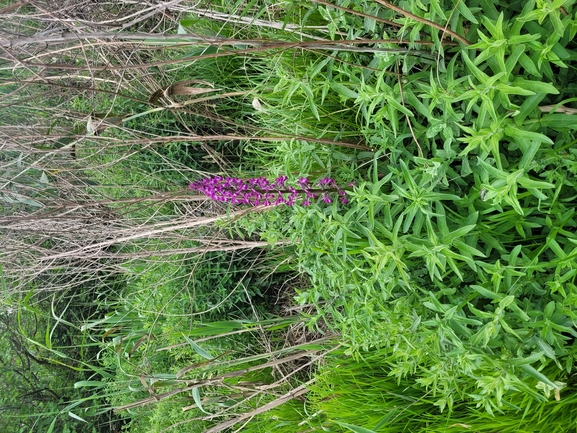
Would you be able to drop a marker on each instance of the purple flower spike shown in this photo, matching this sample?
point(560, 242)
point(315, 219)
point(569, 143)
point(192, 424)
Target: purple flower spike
point(260, 191)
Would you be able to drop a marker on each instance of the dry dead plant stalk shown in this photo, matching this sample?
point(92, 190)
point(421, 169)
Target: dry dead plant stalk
point(188, 385)
point(259, 47)
point(294, 393)
point(408, 14)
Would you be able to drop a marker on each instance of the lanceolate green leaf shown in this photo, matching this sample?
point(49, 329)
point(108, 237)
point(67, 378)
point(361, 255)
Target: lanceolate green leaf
point(343, 90)
point(515, 132)
point(530, 370)
point(197, 399)
point(460, 232)
point(198, 349)
point(535, 86)
point(530, 183)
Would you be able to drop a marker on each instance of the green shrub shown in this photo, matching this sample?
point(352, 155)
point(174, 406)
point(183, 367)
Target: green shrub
point(456, 256)
point(350, 393)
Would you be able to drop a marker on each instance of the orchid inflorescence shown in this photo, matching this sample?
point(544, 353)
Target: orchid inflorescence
point(261, 191)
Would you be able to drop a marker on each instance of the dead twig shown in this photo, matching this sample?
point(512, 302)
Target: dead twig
point(14, 6)
point(422, 20)
point(557, 109)
point(406, 115)
point(163, 40)
point(258, 46)
point(295, 393)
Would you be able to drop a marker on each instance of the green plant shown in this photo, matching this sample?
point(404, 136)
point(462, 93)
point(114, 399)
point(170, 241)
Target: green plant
point(358, 395)
point(456, 254)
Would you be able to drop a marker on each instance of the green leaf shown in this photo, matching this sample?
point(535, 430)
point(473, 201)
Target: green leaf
point(513, 90)
point(486, 293)
point(311, 99)
point(198, 349)
point(513, 59)
point(467, 249)
point(527, 107)
point(493, 171)
point(392, 101)
point(515, 132)
point(344, 91)
point(534, 357)
point(535, 86)
point(188, 22)
point(480, 75)
point(466, 12)
point(89, 383)
point(197, 399)
point(530, 370)
point(525, 182)
point(529, 65)
point(460, 232)
point(76, 417)
point(479, 313)
point(432, 306)
point(390, 414)
point(52, 425)
point(557, 24)
point(22, 199)
point(546, 348)
point(438, 9)
point(520, 313)
point(319, 67)
point(506, 301)
point(453, 265)
point(549, 309)
point(528, 155)
point(559, 121)
point(489, 9)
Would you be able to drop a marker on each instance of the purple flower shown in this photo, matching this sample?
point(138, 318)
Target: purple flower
point(303, 182)
point(280, 181)
point(329, 183)
point(326, 181)
point(260, 191)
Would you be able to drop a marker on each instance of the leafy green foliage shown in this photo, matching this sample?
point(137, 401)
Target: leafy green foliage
point(208, 286)
point(45, 352)
point(456, 255)
point(344, 384)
